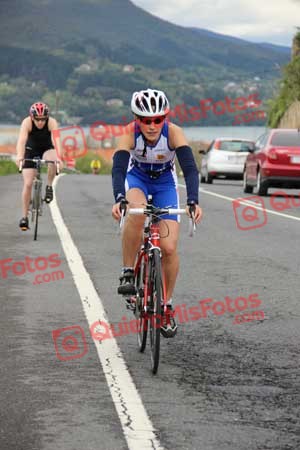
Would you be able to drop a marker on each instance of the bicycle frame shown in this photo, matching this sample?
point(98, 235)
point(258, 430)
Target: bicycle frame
point(149, 278)
point(151, 241)
point(36, 196)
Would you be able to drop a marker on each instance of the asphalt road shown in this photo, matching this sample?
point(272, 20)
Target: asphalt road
point(221, 385)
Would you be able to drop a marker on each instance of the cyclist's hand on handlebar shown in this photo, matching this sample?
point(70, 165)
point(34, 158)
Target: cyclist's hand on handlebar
point(118, 208)
point(19, 159)
point(115, 212)
point(194, 210)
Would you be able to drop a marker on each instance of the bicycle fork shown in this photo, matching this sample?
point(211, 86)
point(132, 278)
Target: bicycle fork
point(155, 243)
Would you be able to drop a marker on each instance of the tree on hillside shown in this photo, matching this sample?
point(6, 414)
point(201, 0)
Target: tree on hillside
point(289, 91)
point(296, 44)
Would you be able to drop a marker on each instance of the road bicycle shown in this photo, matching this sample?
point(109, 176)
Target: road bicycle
point(149, 303)
point(36, 202)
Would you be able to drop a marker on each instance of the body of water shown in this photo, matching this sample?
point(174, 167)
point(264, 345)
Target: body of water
point(9, 133)
point(210, 133)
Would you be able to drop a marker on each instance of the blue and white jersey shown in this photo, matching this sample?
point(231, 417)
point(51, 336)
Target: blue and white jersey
point(160, 158)
point(152, 157)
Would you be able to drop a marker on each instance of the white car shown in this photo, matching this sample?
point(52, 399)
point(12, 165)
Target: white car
point(225, 158)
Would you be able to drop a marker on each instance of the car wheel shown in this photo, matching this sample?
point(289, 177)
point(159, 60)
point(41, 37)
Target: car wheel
point(246, 188)
point(261, 186)
point(208, 179)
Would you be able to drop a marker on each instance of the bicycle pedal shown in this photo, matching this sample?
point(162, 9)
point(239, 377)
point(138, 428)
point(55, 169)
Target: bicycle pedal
point(130, 308)
point(130, 305)
point(126, 290)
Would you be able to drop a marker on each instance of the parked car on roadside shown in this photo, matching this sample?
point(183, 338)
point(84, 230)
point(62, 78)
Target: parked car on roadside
point(225, 158)
point(274, 162)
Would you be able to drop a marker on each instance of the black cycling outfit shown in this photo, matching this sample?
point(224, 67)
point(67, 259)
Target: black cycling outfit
point(37, 143)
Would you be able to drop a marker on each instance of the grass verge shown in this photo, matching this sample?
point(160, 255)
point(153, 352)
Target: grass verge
point(84, 164)
point(8, 168)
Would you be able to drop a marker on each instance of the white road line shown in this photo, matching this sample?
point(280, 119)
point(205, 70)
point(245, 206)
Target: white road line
point(244, 201)
point(138, 430)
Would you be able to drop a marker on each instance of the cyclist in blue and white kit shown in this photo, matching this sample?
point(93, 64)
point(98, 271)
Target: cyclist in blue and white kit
point(144, 164)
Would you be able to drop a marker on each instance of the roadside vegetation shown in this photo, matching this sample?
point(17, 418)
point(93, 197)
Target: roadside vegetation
point(8, 168)
point(83, 164)
point(289, 87)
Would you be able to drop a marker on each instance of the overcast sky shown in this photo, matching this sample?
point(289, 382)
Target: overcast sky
point(271, 21)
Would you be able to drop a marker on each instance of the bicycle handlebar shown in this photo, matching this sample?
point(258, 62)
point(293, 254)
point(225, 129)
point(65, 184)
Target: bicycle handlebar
point(150, 209)
point(123, 209)
point(192, 224)
point(160, 211)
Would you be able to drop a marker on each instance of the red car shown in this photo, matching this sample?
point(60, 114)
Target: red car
point(275, 161)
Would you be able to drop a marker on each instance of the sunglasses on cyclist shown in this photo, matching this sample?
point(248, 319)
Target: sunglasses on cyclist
point(149, 120)
point(40, 119)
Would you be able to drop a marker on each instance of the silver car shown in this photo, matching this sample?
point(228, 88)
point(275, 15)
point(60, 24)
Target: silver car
point(225, 158)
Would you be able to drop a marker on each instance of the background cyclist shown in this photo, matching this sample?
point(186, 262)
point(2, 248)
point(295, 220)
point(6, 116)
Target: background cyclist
point(144, 164)
point(35, 140)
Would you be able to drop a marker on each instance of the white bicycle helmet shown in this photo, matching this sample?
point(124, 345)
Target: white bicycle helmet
point(149, 103)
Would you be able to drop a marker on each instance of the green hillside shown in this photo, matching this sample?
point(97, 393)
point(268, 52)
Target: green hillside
point(125, 33)
point(80, 47)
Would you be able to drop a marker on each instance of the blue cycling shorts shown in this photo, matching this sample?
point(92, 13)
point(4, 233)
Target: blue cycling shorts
point(164, 189)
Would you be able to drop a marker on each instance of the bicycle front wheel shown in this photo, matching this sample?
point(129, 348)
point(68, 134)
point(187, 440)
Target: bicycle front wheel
point(155, 308)
point(141, 316)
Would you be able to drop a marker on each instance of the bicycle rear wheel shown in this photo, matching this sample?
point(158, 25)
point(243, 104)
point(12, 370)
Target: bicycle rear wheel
point(32, 211)
point(155, 308)
point(141, 316)
point(36, 201)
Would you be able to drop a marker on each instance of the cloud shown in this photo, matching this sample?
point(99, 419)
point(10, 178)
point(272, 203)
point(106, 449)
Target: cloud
point(257, 20)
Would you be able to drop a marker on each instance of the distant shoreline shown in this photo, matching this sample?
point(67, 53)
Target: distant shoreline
point(9, 133)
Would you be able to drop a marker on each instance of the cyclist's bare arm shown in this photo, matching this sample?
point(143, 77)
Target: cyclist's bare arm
point(52, 126)
point(125, 142)
point(176, 136)
point(178, 140)
point(22, 139)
